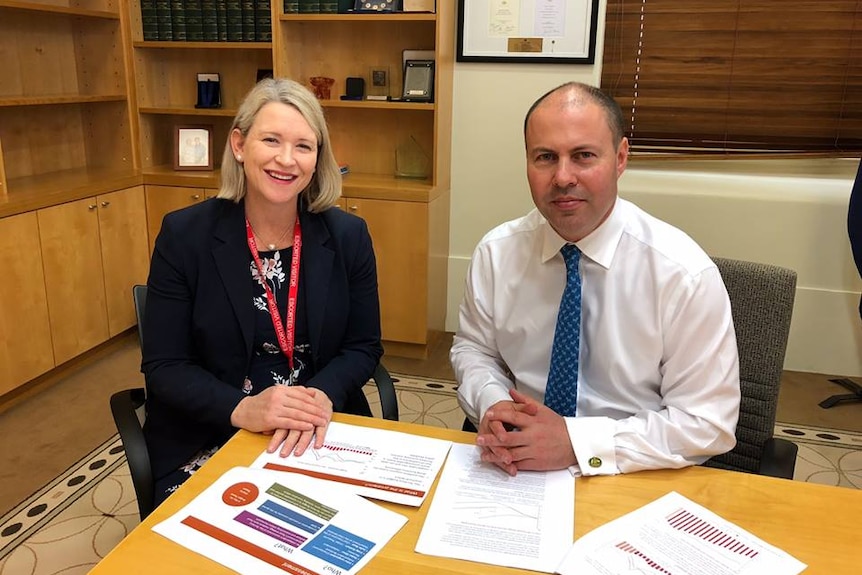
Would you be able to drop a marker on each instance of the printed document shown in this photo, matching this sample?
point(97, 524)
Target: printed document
point(480, 513)
point(675, 535)
point(263, 522)
point(386, 465)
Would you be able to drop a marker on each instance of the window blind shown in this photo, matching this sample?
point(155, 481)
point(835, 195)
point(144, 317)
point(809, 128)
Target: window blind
point(719, 76)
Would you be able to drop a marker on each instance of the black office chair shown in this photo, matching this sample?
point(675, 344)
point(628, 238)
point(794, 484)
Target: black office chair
point(129, 410)
point(761, 301)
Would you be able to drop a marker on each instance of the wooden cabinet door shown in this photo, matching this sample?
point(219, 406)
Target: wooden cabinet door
point(125, 252)
point(399, 231)
point(25, 333)
point(164, 199)
point(74, 278)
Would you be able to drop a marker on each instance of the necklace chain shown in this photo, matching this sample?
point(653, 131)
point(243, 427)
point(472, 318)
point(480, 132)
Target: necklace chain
point(272, 246)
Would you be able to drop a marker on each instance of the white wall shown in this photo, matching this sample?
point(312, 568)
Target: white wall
point(790, 213)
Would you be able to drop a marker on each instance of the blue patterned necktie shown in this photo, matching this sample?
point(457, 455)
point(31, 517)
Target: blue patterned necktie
point(561, 393)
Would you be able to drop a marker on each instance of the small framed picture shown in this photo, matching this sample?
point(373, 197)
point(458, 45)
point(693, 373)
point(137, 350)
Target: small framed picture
point(378, 83)
point(193, 147)
point(418, 81)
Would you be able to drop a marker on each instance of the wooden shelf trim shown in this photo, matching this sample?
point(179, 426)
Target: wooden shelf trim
point(230, 112)
point(36, 192)
point(215, 45)
point(377, 105)
point(354, 185)
point(59, 99)
point(53, 9)
point(382, 17)
point(167, 176)
point(387, 187)
point(185, 111)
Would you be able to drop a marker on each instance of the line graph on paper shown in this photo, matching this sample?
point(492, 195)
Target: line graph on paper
point(487, 496)
point(347, 458)
point(495, 513)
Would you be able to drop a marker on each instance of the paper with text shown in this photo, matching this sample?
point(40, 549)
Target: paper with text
point(674, 535)
point(482, 514)
point(264, 522)
point(387, 465)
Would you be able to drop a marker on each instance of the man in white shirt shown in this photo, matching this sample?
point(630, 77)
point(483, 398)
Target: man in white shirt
point(657, 369)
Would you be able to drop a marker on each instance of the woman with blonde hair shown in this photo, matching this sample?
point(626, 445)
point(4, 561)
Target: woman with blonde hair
point(262, 306)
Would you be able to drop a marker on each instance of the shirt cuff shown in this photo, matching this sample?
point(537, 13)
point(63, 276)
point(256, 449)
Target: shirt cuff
point(490, 396)
point(593, 443)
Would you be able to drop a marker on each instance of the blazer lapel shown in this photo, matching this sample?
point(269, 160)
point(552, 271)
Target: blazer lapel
point(315, 271)
point(230, 252)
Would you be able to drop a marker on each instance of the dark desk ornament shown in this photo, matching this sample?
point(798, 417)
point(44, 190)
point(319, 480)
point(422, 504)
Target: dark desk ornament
point(375, 6)
point(209, 91)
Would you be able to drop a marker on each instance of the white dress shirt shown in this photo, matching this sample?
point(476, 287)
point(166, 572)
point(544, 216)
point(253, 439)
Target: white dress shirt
point(658, 379)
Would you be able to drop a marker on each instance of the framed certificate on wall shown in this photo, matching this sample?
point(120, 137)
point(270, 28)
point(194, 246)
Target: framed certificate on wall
point(535, 31)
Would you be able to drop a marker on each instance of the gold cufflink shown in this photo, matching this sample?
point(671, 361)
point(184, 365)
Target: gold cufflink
point(595, 462)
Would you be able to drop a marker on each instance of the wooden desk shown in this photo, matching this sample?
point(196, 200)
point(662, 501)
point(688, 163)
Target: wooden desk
point(814, 523)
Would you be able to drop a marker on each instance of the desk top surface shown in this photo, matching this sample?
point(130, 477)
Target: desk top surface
point(816, 524)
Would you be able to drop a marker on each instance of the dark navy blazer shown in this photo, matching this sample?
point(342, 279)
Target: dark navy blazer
point(199, 322)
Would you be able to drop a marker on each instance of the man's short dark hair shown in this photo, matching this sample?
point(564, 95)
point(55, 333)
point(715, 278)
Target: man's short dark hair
point(613, 113)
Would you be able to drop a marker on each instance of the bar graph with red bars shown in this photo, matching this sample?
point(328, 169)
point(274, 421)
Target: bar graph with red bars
point(687, 522)
point(629, 548)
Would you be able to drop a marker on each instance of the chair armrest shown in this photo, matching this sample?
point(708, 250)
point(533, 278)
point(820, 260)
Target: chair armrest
point(386, 389)
point(779, 458)
point(124, 406)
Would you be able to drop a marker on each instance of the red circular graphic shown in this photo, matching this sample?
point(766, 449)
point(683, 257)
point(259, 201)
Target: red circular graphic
point(240, 494)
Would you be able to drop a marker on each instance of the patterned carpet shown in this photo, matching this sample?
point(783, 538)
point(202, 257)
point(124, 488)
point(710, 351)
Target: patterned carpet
point(74, 521)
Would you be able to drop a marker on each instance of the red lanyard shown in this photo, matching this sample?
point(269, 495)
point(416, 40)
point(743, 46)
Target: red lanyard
point(285, 337)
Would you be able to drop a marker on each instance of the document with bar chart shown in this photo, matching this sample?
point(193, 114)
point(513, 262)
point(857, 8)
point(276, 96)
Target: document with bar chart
point(674, 536)
point(263, 522)
point(377, 463)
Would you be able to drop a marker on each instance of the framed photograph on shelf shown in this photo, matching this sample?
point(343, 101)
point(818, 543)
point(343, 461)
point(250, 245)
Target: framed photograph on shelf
point(534, 31)
point(193, 147)
point(418, 81)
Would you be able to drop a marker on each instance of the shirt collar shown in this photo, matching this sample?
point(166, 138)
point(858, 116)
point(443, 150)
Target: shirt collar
point(599, 246)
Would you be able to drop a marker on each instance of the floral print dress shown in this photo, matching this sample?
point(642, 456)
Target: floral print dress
point(269, 366)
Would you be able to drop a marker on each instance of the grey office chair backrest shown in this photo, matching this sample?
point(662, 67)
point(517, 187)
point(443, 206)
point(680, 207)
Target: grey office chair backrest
point(761, 300)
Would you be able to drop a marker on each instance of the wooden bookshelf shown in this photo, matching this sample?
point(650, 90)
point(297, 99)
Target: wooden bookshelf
point(64, 99)
point(88, 111)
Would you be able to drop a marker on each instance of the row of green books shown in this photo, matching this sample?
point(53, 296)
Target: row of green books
point(207, 20)
point(317, 6)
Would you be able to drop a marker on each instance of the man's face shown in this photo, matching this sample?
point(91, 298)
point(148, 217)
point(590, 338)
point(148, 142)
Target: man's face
point(572, 163)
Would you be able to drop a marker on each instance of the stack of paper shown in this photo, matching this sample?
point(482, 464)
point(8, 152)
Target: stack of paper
point(482, 514)
point(376, 463)
point(267, 522)
point(675, 535)
point(306, 514)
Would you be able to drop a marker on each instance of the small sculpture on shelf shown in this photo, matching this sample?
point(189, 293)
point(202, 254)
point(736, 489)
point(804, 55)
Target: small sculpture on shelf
point(411, 160)
point(322, 86)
